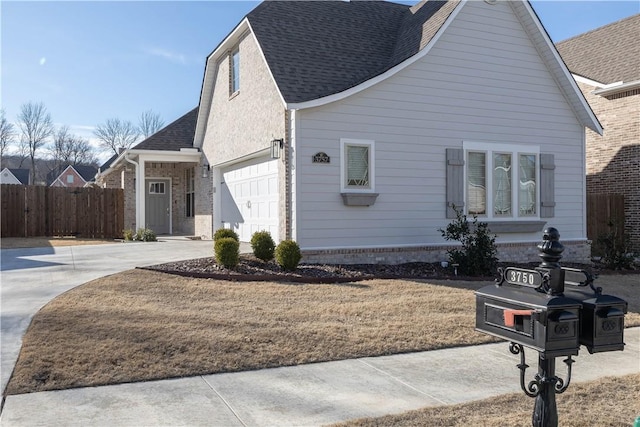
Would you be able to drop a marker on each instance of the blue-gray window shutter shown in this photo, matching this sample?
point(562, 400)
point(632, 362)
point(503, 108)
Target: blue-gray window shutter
point(547, 186)
point(455, 180)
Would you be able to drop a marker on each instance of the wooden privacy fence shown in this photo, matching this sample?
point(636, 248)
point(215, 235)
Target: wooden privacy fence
point(602, 211)
point(31, 211)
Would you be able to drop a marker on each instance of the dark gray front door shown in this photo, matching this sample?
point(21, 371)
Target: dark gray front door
point(157, 205)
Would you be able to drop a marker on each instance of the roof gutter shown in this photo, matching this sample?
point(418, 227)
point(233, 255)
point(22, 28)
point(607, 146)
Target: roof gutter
point(618, 87)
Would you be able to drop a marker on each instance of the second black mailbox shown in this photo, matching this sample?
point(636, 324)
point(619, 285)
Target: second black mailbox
point(546, 323)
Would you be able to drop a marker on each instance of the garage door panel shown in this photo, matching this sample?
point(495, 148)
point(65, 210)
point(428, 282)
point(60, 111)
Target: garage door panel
point(254, 190)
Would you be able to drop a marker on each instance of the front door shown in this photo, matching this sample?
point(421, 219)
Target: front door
point(158, 206)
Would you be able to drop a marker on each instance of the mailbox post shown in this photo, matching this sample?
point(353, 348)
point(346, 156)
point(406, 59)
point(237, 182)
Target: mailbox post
point(530, 308)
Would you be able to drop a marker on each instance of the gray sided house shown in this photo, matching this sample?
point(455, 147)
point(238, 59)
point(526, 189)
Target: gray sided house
point(161, 177)
point(355, 127)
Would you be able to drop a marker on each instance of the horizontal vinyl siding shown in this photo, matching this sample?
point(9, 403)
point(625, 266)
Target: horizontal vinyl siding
point(483, 81)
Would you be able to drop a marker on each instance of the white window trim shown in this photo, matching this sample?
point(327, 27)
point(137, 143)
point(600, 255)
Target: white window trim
point(515, 150)
point(343, 169)
point(234, 86)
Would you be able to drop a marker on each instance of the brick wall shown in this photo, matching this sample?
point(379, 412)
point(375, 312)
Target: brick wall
point(613, 160)
point(574, 251)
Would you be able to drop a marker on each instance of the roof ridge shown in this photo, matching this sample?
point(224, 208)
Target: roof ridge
point(619, 21)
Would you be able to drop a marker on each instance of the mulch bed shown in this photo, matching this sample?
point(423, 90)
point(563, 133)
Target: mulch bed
point(253, 269)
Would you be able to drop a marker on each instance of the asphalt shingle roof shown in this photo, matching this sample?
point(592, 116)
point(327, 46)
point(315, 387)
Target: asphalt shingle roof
point(174, 136)
point(607, 54)
point(318, 48)
point(21, 175)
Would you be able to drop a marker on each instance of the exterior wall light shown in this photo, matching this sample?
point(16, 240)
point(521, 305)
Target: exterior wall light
point(276, 146)
point(205, 170)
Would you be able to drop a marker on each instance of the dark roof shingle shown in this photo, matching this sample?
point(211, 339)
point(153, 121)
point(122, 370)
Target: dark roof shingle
point(174, 136)
point(607, 54)
point(318, 48)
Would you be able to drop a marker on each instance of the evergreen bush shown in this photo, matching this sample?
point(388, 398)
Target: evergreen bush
point(227, 252)
point(478, 255)
point(263, 245)
point(145, 235)
point(225, 232)
point(288, 255)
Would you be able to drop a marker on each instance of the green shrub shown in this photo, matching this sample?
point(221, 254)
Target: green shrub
point(128, 234)
point(263, 245)
point(225, 232)
point(145, 235)
point(478, 256)
point(227, 251)
point(615, 248)
point(288, 255)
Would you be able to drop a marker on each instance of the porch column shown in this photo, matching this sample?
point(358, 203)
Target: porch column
point(140, 194)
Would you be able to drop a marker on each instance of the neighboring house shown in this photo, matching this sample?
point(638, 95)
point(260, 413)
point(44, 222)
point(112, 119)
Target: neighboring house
point(15, 176)
point(71, 176)
point(606, 64)
point(168, 171)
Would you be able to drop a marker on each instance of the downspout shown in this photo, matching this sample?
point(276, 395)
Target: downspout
point(137, 190)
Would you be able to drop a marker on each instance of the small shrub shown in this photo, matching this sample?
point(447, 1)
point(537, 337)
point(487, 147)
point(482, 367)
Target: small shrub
point(128, 234)
point(615, 249)
point(478, 256)
point(227, 251)
point(288, 255)
point(263, 245)
point(145, 235)
point(225, 232)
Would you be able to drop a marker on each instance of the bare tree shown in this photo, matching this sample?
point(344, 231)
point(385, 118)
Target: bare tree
point(150, 123)
point(70, 149)
point(116, 134)
point(35, 126)
point(7, 134)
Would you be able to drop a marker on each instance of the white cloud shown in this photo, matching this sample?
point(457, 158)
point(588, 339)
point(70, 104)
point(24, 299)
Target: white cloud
point(176, 57)
point(43, 60)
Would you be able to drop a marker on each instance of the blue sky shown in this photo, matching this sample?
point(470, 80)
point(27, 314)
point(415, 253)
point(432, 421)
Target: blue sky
point(91, 61)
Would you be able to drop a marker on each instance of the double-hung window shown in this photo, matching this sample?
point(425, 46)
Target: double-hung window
point(190, 193)
point(357, 168)
point(501, 181)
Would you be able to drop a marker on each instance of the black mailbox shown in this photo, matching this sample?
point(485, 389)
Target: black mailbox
point(602, 320)
point(532, 308)
point(549, 324)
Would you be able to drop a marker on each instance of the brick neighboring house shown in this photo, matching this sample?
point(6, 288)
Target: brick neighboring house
point(160, 177)
point(606, 65)
point(71, 176)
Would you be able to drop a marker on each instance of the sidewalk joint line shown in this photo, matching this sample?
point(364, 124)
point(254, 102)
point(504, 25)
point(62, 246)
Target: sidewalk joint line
point(404, 383)
point(224, 400)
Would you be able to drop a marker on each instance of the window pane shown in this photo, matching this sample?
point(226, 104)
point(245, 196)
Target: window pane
point(357, 166)
point(527, 188)
point(235, 71)
point(502, 184)
point(477, 187)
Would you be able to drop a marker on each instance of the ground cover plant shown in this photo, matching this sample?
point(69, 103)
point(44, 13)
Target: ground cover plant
point(142, 325)
point(610, 401)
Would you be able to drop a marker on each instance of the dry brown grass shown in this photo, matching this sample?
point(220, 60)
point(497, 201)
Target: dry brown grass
point(610, 401)
point(142, 325)
point(46, 242)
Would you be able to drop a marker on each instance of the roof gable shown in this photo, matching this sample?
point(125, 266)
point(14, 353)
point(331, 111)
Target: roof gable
point(607, 54)
point(174, 136)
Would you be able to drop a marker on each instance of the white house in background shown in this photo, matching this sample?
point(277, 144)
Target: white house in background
point(15, 176)
point(356, 127)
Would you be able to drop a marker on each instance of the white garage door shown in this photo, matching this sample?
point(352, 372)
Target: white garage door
point(254, 190)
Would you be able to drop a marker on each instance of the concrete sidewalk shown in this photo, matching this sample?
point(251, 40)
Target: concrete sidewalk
point(308, 395)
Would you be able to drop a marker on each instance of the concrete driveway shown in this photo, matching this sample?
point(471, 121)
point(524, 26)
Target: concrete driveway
point(30, 278)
